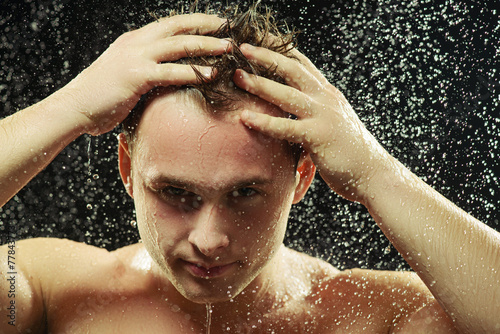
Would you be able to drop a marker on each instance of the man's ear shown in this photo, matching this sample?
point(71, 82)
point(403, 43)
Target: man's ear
point(125, 163)
point(305, 175)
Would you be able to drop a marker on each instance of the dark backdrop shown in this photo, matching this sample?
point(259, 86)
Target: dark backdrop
point(423, 76)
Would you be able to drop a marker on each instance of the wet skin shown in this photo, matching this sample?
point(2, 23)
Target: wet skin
point(95, 291)
point(210, 192)
point(213, 235)
point(212, 197)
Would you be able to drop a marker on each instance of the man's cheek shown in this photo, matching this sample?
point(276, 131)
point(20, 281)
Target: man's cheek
point(258, 224)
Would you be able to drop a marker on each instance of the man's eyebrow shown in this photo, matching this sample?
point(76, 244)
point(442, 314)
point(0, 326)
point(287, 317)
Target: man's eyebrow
point(171, 181)
point(192, 186)
point(252, 182)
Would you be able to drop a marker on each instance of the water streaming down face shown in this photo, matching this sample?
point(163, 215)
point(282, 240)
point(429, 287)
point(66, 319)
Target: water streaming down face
point(209, 317)
point(422, 76)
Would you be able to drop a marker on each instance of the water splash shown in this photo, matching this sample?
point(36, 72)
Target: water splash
point(209, 317)
point(89, 156)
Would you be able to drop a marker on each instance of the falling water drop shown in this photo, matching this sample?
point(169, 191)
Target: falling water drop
point(89, 154)
point(209, 316)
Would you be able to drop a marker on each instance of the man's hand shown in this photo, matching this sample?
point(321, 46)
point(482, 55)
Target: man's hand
point(447, 248)
point(344, 152)
point(136, 62)
point(102, 96)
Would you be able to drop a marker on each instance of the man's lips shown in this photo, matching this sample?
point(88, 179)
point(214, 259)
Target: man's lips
point(202, 271)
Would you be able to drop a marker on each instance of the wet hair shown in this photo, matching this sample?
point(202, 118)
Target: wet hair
point(219, 93)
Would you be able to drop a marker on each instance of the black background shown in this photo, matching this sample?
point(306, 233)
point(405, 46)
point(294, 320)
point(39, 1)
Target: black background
point(423, 76)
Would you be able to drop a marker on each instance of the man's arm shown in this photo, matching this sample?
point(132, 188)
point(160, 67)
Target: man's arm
point(31, 138)
point(102, 95)
point(455, 255)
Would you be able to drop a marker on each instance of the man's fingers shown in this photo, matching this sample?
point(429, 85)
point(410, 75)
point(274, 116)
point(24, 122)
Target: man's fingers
point(303, 60)
point(295, 74)
point(176, 74)
point(195, 23)
point(285, 97)
point(308, 64)
point(275, 127)
point(187, 24)
point(177, 47)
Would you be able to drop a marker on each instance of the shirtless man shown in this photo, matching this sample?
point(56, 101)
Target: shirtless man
point(212, 192)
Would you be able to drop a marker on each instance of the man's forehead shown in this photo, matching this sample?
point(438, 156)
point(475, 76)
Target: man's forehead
point(178, 116)
point(175, 134)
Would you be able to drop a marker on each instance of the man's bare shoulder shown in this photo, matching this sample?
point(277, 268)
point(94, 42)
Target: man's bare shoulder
point(57, 266)
point(379, 280)
point(354, 299)
point(47, 268)
point(312, 267)
point(325, 279)
point(49, 253)
point(397, 301)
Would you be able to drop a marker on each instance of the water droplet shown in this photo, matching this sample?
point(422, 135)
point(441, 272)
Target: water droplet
point(209, 316)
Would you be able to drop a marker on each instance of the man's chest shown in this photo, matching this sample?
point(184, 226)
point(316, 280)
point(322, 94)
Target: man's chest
point(114, 314)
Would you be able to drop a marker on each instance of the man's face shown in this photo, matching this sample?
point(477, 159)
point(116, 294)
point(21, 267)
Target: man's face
point(212, 197)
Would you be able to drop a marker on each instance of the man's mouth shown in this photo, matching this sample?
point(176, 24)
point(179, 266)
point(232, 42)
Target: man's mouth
point(207, 272)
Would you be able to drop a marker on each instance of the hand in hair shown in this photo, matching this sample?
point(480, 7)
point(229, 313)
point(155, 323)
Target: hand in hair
point(136, 62)
point(343, 150)
point(426, 228)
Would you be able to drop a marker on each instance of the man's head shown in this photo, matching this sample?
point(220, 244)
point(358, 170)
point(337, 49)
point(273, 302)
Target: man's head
point(212, 197)
point(219, 92)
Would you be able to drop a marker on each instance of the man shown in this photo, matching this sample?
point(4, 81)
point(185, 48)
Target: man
point(212, 187)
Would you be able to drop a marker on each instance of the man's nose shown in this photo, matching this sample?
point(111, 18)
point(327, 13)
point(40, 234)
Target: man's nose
point(207, 234)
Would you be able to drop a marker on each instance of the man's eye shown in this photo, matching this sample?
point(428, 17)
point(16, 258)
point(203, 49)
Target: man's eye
point(244, 192)
point(176, 191)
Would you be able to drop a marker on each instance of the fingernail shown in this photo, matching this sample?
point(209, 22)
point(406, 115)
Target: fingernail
point(207, 72)
point(249, 47)
point(244, 75)
point(249, 115)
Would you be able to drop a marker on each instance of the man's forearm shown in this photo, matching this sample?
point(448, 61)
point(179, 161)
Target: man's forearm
point(457, 256)
point(30, 139)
